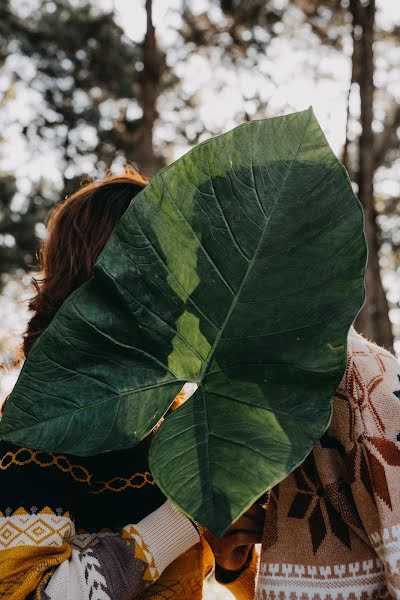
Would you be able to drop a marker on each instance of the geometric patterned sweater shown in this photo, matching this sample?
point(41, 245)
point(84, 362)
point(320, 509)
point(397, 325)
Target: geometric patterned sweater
point(332, 529)
point(65, 566)
point(66, 528)
point(95, 528)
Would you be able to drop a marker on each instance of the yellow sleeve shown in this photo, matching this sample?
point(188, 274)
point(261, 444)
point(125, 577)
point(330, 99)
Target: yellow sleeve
point(27, 568)
point(244, 587)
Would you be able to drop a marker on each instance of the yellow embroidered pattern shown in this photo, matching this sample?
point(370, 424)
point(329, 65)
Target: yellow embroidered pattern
point(119, 484)
point(24, 456)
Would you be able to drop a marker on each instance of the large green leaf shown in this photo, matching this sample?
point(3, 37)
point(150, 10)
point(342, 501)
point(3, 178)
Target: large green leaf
point(240, 268)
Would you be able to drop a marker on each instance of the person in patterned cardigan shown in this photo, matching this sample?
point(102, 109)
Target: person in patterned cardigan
point(332, 527)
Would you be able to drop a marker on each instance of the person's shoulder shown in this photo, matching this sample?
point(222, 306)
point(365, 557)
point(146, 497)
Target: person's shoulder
point(370, 389)
point(369, 363)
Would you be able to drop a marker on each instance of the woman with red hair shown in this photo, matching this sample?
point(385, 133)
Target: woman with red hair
point(66, 530)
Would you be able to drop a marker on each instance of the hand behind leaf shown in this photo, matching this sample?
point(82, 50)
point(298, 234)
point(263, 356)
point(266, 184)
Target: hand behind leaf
point(232, 551)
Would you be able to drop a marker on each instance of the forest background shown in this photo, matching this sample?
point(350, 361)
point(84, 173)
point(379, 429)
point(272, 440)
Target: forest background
point(86, 86)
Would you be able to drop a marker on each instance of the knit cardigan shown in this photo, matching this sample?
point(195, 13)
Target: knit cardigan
point(332, 528)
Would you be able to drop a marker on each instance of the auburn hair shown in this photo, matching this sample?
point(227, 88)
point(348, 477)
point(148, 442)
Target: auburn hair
point(77, 231)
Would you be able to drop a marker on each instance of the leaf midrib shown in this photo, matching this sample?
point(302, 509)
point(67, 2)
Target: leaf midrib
point(254, 258)
point(96, 404)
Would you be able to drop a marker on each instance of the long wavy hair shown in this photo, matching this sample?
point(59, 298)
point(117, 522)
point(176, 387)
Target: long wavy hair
point(77, 231)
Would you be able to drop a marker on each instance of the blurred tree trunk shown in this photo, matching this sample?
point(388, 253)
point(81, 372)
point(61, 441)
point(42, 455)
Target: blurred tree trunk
point(373, 320)
point(356, 62)
point(149, 162)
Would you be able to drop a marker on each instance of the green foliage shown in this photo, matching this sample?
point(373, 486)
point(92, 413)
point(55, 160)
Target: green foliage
point(240, 267)
point(91, 101)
